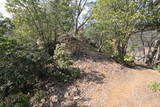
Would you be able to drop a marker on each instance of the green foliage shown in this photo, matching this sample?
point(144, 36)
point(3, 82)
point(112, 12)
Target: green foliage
point(157, 67)
point(6, 26)
point(67, 75)
point(6, 44)
point(43, 19)
point(129, 58)
point(116, 15)
point(62, 56)
point(30, 63)
point(116, 20)
point(38, 96)
point(154, 86)
point(17, 100)
point(63, 61)
point(102, 41)
point(110, 48)
point(23, 60)
point(150, 12)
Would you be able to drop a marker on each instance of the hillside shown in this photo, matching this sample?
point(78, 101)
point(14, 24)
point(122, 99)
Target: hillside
point(80, 53)
point(104, 83)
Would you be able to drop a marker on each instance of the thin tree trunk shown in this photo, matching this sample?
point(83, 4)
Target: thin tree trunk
point(151, 57)
point(143, 44)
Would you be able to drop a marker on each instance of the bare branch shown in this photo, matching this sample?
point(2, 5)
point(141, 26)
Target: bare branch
point(84, 22)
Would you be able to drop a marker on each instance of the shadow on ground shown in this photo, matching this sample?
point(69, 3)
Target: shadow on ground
point(95, 56)
point(93, 76)
point(67, 94)
point(139, 67)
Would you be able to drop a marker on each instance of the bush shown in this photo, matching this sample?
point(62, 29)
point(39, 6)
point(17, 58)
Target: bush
point(154, 86)
point(157, 67)
point(62, 56)
point(20, 64)
point(129, 58)
point(67, 75)
point(38, 96)
point(18, 100)
point(110, 48)
point(63, 61)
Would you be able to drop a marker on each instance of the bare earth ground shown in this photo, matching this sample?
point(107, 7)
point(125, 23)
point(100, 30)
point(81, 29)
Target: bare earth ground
point(115, 86)
point(108, 84)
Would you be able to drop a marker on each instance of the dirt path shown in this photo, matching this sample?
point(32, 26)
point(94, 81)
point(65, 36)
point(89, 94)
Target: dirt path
point(111, 85)
point(103, 83)
point(107, 84)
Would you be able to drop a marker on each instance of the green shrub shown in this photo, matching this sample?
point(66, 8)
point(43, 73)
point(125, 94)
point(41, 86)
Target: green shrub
point(154, 86)
point(110, 47)
point(157, 67)
point(129, 58)
point(62, 56)
point(63, 61)
point(18, 100)
point(67, 75)
point(20, 64)
point(38, 96)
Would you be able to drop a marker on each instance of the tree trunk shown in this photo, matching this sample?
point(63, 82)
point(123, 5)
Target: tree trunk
point(143, 44)
point(152, 57)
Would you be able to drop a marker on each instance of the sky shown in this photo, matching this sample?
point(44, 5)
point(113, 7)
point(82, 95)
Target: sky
point(3, 9)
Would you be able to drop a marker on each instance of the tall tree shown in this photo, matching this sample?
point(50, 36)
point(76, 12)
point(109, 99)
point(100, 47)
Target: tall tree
point(150, 22)
point(80, 9)
point(150, 11)
point(117, 18)
point(43, 20)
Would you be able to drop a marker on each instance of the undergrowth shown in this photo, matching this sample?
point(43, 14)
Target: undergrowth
point(157, 68)
point(154, 86)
